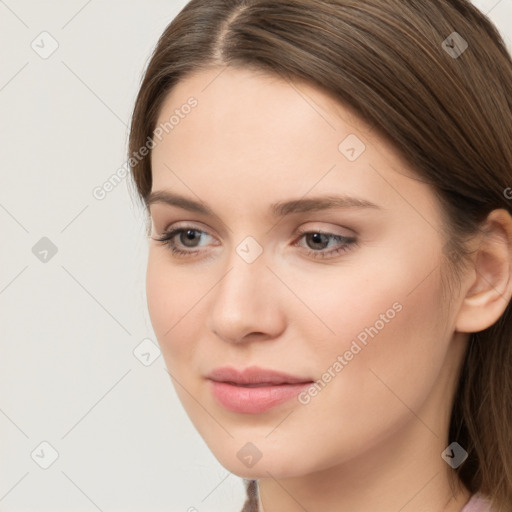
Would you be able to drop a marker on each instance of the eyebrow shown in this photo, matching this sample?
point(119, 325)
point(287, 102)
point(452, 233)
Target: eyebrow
point(279, 209)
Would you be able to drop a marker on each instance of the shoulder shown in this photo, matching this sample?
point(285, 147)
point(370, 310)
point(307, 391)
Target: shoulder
point(477, 503)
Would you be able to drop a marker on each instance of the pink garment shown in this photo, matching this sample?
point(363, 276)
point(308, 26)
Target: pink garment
point(477, 503)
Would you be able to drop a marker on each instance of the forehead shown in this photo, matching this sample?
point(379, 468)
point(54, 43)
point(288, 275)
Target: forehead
point(224, 92)
point(248, 115)
point(250, 131)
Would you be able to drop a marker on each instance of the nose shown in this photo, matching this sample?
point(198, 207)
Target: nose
point(247, 303)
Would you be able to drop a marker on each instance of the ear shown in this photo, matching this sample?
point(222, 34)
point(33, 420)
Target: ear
point(490, 282)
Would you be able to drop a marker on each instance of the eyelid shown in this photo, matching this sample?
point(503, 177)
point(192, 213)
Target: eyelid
point(161, 212)
point(344, 239)
point(195, 225)
point(301, 230)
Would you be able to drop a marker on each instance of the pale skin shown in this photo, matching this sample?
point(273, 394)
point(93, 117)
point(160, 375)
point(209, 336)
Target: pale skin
point(372, 438)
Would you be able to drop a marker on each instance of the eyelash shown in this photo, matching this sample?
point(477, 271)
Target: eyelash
point(348, 243)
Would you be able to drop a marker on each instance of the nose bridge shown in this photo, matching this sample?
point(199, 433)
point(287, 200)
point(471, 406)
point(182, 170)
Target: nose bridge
point(242, 302)
point(245, 280)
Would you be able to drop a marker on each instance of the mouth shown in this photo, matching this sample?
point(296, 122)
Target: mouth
point(254, 390)
point(255, 376)
point(258, 385)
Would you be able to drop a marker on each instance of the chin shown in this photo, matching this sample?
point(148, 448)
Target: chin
point(250, 463)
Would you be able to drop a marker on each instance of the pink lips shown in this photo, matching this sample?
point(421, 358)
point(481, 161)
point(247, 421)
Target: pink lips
point(254, 390)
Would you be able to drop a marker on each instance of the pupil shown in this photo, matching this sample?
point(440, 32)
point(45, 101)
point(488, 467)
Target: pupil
point(320, 238)
point(190, 236)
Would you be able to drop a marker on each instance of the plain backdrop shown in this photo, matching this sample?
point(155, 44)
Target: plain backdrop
point(89, 419)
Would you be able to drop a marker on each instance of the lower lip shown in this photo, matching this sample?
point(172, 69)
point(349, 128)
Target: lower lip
point(254, 400)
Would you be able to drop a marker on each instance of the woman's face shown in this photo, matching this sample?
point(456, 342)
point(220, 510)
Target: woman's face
point(278, 273)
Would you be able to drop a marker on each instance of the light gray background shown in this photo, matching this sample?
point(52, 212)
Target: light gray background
point(70, 325)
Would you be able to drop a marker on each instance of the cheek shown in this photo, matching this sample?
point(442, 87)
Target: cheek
point(392, 342)
point(388, 300)
point(161, 301)
point(172, 298)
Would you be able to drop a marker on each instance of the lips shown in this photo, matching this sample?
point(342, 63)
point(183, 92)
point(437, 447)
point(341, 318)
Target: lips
point(253, 376)
point(254, 390)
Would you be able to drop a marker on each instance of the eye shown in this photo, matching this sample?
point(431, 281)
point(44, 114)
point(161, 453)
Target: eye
point(182, 240)
point(187, 237)
point(317, 241)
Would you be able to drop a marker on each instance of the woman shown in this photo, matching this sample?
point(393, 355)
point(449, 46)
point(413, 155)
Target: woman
point(327, 185)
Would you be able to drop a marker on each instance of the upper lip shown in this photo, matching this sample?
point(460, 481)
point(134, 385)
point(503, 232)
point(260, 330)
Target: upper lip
point(254, 375)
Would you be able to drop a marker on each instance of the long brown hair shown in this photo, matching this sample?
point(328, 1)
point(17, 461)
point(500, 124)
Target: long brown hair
point(446, 108)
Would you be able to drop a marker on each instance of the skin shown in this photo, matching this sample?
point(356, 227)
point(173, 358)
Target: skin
point(372, 438)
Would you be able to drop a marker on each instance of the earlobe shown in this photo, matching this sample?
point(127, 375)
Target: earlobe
point(490, 289)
